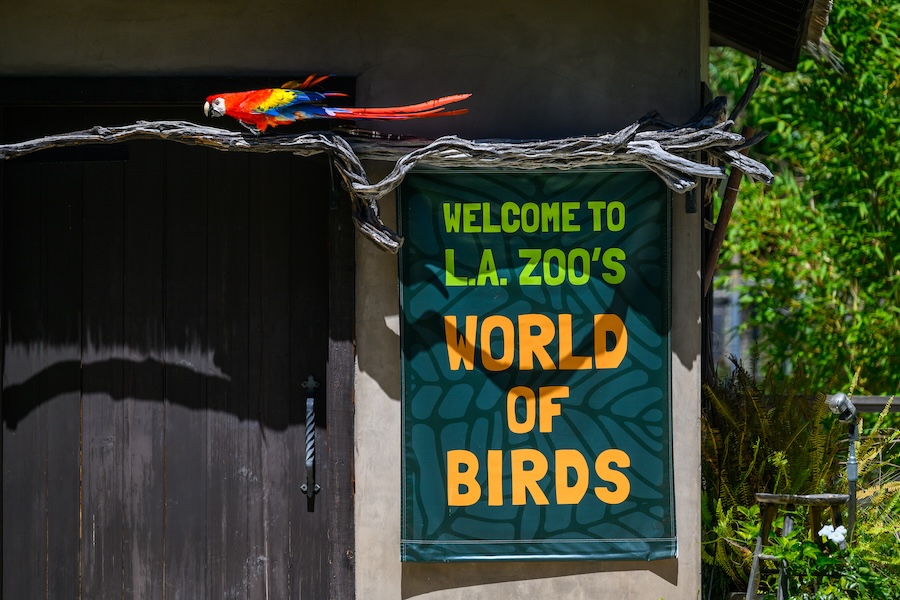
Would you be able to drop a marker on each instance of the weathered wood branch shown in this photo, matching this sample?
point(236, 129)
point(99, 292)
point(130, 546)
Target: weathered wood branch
point(671, 153)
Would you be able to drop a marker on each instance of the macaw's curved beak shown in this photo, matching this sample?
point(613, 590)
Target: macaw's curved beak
point(206, 109)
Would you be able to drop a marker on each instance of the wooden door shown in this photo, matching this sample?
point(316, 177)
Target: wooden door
point(161, 307)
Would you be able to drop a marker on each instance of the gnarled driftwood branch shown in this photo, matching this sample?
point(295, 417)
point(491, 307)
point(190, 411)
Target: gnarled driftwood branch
point(668, 151)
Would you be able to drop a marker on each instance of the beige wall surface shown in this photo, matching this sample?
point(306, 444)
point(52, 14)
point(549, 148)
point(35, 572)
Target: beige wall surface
point(380, 575)
point(536, 70)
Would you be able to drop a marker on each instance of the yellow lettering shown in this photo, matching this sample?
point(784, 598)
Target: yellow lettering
point(603, 357)
point(622, 487)
point(462, 489)
point(549, 408)
point(512, 400)
point(460, 348)
point(505, 325)
point(495, 477)
point(526, 480)
point(530, 339)
point(568, 360)
point(567, 460)
point(529, 466)
point(533, 345)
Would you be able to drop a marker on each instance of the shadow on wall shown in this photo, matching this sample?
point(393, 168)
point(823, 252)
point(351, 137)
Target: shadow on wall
point(71, 372)
point(180, 275)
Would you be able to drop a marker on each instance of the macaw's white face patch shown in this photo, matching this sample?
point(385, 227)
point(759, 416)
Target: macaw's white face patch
point(216, 109)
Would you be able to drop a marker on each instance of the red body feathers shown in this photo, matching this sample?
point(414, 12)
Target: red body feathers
point(294, 101)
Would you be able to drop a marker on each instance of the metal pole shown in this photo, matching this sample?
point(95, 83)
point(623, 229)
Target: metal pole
point(852, 477)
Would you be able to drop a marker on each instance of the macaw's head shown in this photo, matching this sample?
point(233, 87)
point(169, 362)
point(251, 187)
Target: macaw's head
point(214, 106)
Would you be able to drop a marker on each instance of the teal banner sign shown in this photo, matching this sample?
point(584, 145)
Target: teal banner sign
point(536, 366)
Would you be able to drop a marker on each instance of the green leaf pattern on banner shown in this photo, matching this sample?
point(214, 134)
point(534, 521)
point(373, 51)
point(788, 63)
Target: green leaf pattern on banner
point(606, 264)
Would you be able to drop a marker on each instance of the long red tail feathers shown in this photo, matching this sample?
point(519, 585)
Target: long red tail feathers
point(440, 112)
point(429, 108)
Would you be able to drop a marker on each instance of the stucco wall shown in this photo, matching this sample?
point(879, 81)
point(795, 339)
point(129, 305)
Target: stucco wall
point(536, 69)
point(379, 573)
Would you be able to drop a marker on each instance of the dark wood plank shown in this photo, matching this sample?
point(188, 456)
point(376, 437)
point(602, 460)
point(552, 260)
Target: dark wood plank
point(103, 413)
point(2, 345)
point(270, 385)
point(187, 363)
point(61, 305)
point(230, 428)
point(143, 374)
point(309, 350)
point(281, 437)
point(341, 364)
point(194, 425)
point(25, 413)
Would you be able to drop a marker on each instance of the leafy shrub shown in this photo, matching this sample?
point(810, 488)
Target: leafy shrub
point(774, 435)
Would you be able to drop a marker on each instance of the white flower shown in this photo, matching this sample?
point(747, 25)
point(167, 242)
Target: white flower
point(835, 535)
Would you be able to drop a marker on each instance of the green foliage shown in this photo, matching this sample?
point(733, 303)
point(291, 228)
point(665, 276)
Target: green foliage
point(819, 249)
point(828, 572)
point(877, 537)
point(773, 435)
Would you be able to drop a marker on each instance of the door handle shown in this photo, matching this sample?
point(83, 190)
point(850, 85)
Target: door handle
point(310, 487)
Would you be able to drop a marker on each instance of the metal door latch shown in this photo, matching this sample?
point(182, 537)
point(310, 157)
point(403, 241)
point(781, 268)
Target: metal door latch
point(310, 488)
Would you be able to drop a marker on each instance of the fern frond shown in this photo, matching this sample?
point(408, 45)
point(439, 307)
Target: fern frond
point(878, 493)
point(722, 409)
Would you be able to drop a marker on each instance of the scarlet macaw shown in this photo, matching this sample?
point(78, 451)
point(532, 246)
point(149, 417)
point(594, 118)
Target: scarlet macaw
point(260, 109)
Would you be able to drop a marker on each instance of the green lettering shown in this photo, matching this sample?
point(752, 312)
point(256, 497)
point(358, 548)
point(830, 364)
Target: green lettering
point(451, 219)
point(450, 278)
point(488, 226)
point(557, 255)
point(615, 216)
point(610, 261)
point(597, 207)
point(549, 217)
point(534, 258)
point(487, 270)
point(568, 216)
point(469, 215)
point(531, 218)
point(507, 211)
point(576, 276)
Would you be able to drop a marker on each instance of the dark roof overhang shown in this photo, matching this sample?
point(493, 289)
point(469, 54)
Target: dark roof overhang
point(776, 30)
